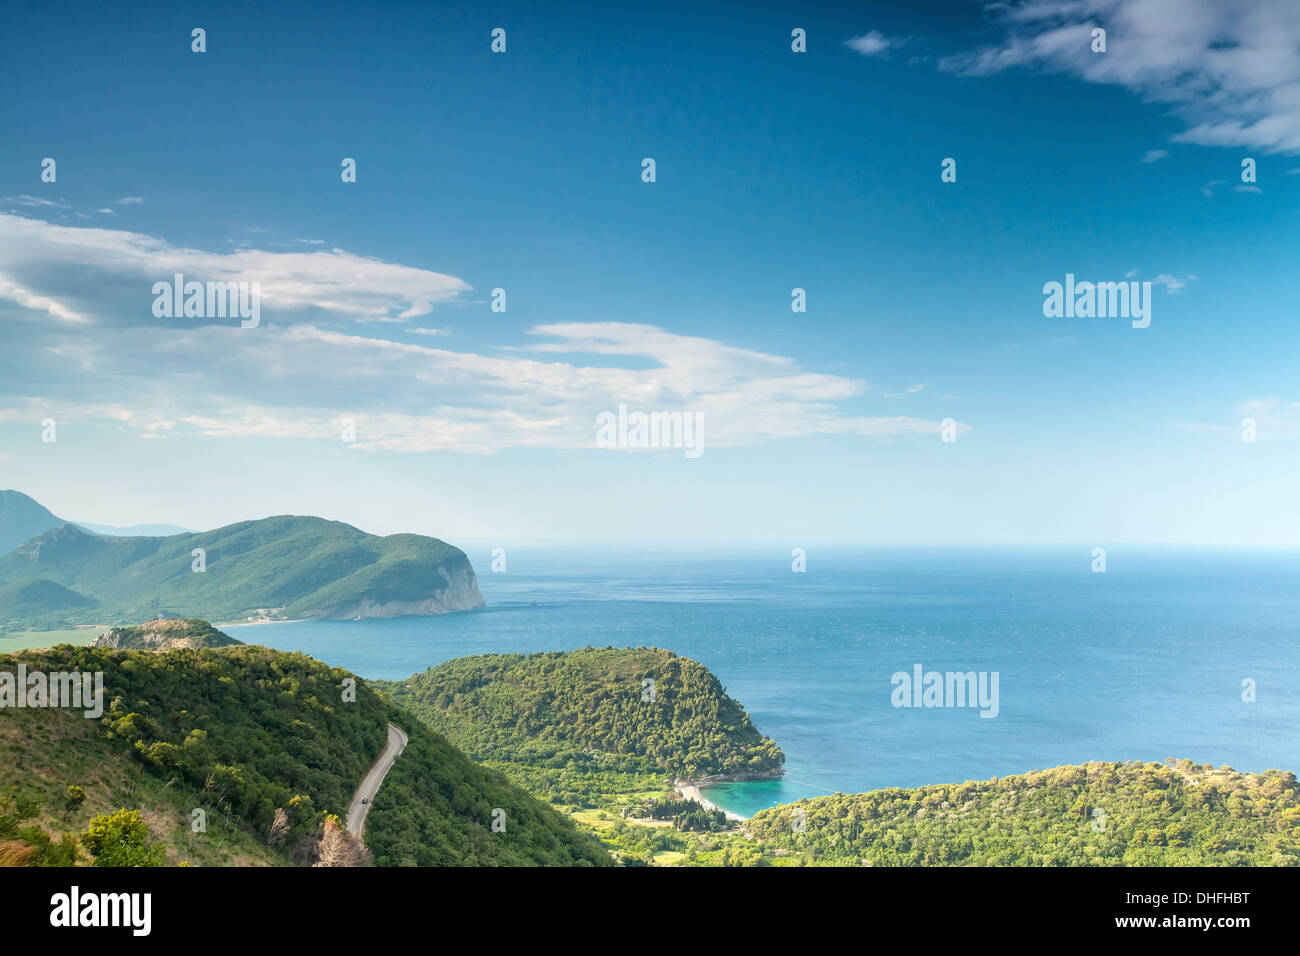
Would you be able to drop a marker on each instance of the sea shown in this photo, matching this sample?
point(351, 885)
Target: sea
point(1165, 653)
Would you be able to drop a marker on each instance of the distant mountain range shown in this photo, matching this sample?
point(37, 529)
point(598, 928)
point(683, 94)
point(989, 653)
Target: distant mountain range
point(284, 567)
point(22, 518)
point(135, 530)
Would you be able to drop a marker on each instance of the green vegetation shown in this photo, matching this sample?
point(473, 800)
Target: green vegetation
point(1097, 814)
point(584, 731)
point(42, 600)
point(245, 729)
point(282, 567)
point(684, 814)
point(66, 771)
point(267, 748)
point(27, 844)
point(35, 640)
point(122, 839)
point(437, 809)
point(262, 747)
point(591, 711)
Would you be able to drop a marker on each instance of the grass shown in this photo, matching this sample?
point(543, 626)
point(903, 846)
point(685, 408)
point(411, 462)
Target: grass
point(35, 640)
point(46, 750)
point(596, 819)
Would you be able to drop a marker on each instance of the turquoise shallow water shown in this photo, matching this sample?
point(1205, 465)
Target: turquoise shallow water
point(1143, 662)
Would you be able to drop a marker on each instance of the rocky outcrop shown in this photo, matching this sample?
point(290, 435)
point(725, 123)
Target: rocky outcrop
point(460, 594)
point(164, 634)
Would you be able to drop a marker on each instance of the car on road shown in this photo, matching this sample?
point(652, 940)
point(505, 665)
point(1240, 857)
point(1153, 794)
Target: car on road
point(365, 799)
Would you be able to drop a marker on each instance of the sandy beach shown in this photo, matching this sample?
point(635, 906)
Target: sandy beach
point(690, 791)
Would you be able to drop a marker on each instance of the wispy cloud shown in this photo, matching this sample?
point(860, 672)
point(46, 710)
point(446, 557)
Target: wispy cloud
point(337, 283)
point(319, 341)
point(36, 202)
point(1154, 155)
point(1275, 419)
point(1173, 284)
point(910, 390)
point(1229, 69)
point(872, 43)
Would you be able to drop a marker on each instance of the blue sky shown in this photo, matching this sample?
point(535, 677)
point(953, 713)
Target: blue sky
point(775, 170)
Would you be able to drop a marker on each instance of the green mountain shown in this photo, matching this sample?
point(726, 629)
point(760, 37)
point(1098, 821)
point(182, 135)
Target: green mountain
point(36, 599)
point(281, 567)
point(631, 711)
point(602, 734)
point(21, 518)
point(270, 747)
point(1096, 814)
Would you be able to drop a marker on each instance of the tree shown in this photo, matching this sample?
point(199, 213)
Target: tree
point(338, 847)
point(279, 828)
point(122, 839)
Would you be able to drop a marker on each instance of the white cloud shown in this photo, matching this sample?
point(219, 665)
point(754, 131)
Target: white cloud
point(910, 390)
point(36, 202)
point(108, 360)
point(31, 300)
point(1229, 69)
point(1275, 420)
point(1173, 284)
point(333, 281)
point(1154, 155)
point(869, 44)
point(129, 201)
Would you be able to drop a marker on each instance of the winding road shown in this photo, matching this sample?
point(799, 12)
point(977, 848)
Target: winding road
point(374, 777)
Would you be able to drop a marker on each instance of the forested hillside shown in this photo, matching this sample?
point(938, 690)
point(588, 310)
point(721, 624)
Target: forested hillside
point(286, 566)
point(642, 710)
point(1097, 814)
point(269, 746)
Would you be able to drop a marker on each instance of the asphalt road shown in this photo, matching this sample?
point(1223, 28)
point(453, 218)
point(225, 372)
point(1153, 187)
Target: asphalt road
point(372, 780)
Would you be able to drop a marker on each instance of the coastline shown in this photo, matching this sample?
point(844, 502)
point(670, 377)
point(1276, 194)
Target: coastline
point(261, 620)
point(690, 790)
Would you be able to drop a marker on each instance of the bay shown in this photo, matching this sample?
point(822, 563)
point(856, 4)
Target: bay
point(1143, 662)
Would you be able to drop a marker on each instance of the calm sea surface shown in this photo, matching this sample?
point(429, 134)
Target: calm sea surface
point(1143, 662)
